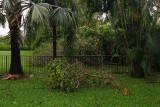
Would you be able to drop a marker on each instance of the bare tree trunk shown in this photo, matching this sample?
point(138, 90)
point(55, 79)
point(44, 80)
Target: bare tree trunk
point(54, 41)
point(15, 66)
point(14, 25)
point(54, 34)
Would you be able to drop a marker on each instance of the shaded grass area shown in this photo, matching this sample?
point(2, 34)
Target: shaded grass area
point(31, 92)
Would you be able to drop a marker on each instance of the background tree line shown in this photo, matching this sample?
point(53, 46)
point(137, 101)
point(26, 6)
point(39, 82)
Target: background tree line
point(76, 27)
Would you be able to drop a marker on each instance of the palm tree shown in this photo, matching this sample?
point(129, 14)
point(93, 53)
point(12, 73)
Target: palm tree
point(54, 33)
point(135, 20)
point(12, 11)
point(64, 17)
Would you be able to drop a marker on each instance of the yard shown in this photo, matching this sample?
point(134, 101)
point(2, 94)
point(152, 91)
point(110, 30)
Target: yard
point(116, 42)
point(31, 92)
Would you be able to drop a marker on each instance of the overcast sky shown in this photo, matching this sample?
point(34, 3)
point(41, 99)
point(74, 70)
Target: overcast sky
point(4, 31)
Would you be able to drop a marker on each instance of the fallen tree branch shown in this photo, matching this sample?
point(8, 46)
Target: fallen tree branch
point(112, 81)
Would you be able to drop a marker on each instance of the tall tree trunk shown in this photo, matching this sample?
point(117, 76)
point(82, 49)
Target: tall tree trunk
point(54, 41)
point(15, 66)
point(14, 25)
point(54, 34)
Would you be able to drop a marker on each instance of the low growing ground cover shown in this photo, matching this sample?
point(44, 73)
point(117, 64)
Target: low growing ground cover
point(31, 92)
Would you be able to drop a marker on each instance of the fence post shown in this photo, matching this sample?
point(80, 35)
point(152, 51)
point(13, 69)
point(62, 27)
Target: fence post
point(117, 67)
point(6, 63)
point(29, 64)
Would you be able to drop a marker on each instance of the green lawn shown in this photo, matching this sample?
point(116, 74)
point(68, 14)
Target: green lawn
point(31, 92)
point(22, 53)
point(5, 59)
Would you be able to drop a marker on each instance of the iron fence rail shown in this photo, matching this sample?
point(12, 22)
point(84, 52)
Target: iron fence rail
point(36, 64)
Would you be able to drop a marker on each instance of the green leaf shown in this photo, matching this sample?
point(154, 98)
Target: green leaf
point(63, 17)
point(40, 13)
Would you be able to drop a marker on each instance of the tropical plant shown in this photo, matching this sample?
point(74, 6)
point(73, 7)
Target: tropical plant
point(65, 75)
point(11, 10)
point(136, 21)
point(133, 20)
point(64, 17)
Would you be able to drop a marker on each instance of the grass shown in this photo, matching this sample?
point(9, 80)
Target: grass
point(22, 53)
point(31, 92)
point(5, 59)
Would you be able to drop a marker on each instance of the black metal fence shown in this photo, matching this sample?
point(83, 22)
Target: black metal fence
point(36, 64)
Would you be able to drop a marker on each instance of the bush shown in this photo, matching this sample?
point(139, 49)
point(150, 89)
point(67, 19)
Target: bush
point(5, 43)
point(88, 42)
point(65, 75)
point(69, 76)
point(4, 46)
point(96, 41)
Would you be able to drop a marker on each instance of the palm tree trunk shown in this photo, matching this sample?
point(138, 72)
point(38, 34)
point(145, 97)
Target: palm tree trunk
point(14, 25)
point(54, 41)
point(15, 66)
point(54, 34)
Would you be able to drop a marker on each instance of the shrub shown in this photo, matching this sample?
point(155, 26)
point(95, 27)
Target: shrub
point(88, 42)
point(4, 46)
point(65, 75)
point(5, 43)
point(95, 41)
point(69, 76)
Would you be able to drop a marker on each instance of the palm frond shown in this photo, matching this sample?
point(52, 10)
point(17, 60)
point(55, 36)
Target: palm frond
point(40, 13)
point(63, 17)
point(7, 5)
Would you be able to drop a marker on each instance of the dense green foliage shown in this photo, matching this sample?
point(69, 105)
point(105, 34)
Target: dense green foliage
point(95, 40)
point(136, 23)
point(90, 27)
point(4, 43)
point(64, 75)
point(71, 75)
